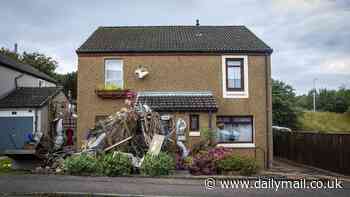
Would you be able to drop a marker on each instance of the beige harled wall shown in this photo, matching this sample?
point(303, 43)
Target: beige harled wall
point(175, 72)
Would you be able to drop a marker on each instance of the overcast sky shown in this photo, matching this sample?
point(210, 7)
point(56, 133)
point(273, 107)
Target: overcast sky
point(310, 38)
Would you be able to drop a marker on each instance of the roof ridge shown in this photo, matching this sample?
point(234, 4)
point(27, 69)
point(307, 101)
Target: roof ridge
point(157, 26)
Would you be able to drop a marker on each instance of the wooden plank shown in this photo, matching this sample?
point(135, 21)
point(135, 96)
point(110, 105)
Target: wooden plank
point(118, 143)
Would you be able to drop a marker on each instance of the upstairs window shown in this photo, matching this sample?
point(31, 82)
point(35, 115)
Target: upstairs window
point(114, 72)
point(234, 75)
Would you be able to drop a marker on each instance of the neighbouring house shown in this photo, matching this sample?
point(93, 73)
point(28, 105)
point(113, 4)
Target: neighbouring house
point(26, 95)
point(207, 75)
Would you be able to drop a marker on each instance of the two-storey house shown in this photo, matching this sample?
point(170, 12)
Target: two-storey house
point(207, 75)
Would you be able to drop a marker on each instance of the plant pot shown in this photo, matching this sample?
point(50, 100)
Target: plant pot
point(112, 94)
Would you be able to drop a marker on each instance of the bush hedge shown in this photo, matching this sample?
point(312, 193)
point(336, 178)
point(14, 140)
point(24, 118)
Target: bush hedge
point(115, 164)
point(233, 163)
point(230, 163)
point(81, 165)
point(157, 165)
point(250, 167)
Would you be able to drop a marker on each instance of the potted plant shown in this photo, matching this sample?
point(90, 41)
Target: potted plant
point(112, 91)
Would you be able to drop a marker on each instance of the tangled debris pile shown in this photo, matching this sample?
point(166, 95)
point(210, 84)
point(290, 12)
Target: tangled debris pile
point(132, 131)
point(128, 130)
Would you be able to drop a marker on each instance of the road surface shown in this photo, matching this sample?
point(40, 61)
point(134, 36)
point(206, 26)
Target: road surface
point(145, 186)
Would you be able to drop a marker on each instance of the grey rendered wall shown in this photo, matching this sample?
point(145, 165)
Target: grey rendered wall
point(7, 80)
point(59, 100)
point(44, 119)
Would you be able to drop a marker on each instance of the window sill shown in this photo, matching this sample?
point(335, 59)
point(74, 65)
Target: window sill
point(237, 145)
point(114, 94)
point(233, 94)
point(195, 134)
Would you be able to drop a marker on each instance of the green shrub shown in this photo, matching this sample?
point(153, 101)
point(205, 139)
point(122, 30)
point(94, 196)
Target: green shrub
point(115, 164)
point(249, 167)
point(207, 135)
point(80, 164)
point(5, 165)
point(157, 165)
point(188, 161)
point(233, 163)
point(348, 111)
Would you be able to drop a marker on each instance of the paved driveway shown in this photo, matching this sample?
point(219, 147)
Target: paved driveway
point(144, 186)
point(291, 169)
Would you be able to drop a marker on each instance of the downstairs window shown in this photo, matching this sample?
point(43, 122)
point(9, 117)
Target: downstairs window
point(235, 129)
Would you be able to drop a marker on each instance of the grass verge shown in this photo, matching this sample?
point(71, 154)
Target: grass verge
point(325, 122)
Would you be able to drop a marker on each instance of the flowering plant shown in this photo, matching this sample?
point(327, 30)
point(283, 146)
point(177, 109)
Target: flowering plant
point(204, 163)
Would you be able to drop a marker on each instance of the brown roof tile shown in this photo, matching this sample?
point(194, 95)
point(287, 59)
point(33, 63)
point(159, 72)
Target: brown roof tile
point(174, 39)
point(178, 101)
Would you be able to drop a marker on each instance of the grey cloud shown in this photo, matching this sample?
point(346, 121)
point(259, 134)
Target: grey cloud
point(304, 35)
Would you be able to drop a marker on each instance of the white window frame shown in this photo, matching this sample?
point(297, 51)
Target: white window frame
point(194, 134)
point(122, 69)
point(240, 144)
point(237, 145)
point(235, 94)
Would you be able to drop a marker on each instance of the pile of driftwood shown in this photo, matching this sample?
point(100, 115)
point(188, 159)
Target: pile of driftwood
point(129, 130)
point(133, 131)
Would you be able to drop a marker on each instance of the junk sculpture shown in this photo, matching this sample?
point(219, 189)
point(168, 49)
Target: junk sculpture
point(141, 72)
point(59, 134)
point(180, 136)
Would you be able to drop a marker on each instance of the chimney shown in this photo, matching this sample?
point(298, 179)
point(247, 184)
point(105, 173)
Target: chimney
point(197, 22)
point(16, 48)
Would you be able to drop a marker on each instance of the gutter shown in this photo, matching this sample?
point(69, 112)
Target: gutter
point(59, 89)
point(16, 80)
point(262, 52)
point(268, 112)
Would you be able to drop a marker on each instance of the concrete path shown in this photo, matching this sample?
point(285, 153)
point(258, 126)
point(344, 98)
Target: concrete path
point(144, 186)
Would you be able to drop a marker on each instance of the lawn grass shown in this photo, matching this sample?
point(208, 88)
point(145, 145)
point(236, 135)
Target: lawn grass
point(6, 168)
point(5, 165)
point(325, 122)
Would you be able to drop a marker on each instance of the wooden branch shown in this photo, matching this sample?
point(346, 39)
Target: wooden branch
point(118, 143)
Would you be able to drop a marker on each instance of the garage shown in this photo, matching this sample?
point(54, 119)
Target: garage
point(24, 116)
point(14, 131)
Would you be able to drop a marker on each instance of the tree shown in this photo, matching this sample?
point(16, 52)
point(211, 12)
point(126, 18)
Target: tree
point(41, 62)
point(340, 105)
point(284, 112)
point(327, 100)
point(9, 54)
point(69, 83)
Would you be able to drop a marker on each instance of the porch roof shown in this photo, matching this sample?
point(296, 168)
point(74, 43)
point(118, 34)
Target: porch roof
point(179, 101)
point(29, 97)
